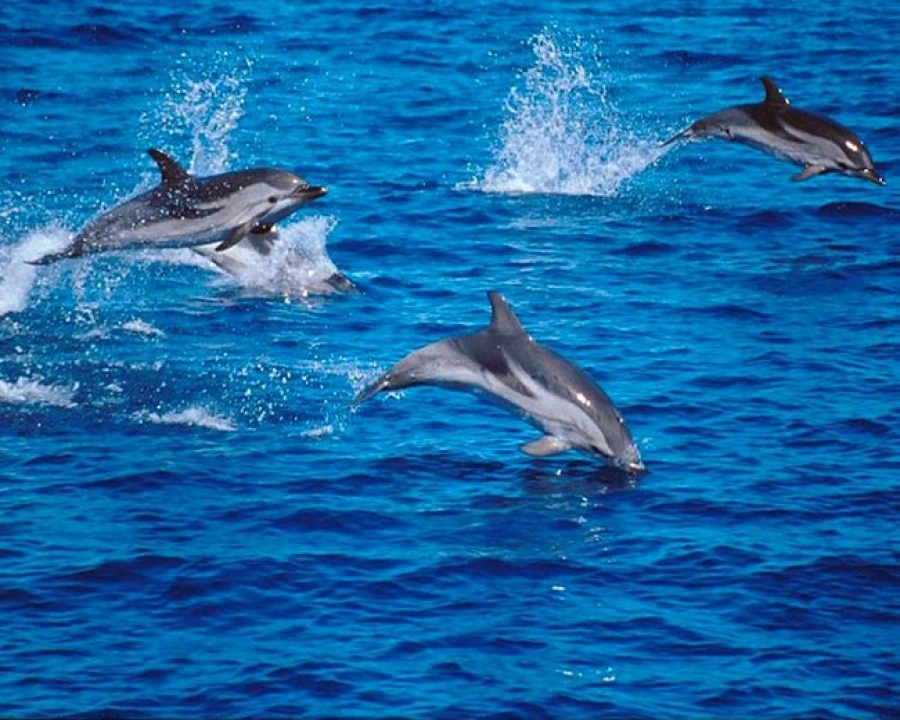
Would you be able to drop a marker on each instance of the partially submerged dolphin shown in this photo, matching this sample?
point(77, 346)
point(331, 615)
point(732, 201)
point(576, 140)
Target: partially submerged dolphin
point(551, 393)
point(186, 211)
point(285, 272)
point(817, 144)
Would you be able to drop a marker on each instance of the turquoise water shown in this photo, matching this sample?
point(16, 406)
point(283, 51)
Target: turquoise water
point(194, 523)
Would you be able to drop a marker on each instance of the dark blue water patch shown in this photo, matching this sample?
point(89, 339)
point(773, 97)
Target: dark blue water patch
point(696, 59)
point(730, 311)
point(106, 36)
point(354, 522)
point(648, 248)
point(857, 210)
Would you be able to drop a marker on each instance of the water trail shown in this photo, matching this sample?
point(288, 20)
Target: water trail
point(194, 415)
point(17, 277)
point(33, 392)
point(563, 134)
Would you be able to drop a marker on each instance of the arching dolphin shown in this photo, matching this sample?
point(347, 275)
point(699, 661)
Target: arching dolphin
point(505, 363)
point(817, 144)
point(185, 211)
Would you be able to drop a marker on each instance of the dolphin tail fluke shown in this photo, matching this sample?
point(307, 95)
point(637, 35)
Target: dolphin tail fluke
point(73, 251)
point(685, 134)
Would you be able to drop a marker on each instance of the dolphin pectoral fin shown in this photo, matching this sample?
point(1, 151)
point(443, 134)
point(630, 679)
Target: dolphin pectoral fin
point(546, 446)
point(808, 172)
point(234, 237)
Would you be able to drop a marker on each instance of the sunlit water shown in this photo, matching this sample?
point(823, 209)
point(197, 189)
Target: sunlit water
point(196, 524)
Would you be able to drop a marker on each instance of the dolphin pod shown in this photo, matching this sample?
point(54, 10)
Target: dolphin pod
point(188, 211)
point(815, 143)
point(505, 363)
point(212, 214)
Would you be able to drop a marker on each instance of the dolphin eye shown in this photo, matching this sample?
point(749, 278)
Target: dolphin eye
point(273, 199)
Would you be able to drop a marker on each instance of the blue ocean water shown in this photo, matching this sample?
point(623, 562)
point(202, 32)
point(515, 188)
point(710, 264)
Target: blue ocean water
point(194, 523)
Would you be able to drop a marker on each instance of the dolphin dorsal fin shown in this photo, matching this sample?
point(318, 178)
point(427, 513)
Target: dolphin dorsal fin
point(774, 96)
point(173, 174)
point(503, 319)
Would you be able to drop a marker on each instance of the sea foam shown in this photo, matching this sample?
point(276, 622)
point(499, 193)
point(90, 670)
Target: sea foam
point(563, 134)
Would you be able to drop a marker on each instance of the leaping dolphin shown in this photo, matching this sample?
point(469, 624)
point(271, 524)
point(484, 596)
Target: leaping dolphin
point(186, 211)
point(551, 393)
point(819, 145)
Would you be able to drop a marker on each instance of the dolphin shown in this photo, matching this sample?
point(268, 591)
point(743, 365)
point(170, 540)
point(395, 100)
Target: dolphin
point(185, 211)
point(297, 274)
point(503, 362)
point(819, 145)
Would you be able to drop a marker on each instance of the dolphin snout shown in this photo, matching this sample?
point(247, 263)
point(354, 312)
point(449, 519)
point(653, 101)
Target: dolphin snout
point(311, 192)
point(872, 176)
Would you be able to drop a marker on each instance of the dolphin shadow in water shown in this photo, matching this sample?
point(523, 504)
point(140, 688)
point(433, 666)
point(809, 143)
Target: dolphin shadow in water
point(503, 362)
point(187, 211)
point(819, 145)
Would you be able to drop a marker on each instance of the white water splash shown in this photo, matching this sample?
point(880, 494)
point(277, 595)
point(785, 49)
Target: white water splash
point(563, 135)
point(141, 327)
point(33, 392)
point(297, 266)
point(207, 110)
point(195, 415)
point(17, 276)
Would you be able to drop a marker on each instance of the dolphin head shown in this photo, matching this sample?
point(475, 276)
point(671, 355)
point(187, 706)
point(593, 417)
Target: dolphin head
point(854, 160)
point(280, 194)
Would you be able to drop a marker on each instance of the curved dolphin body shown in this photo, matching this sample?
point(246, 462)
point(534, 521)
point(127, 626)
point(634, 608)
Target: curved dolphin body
point(185, 211)
point(551, 393)
point(817, 144)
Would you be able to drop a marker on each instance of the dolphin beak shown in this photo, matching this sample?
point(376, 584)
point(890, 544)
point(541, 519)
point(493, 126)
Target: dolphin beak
point(342, 283)
point(872, 176)
point(310, 192)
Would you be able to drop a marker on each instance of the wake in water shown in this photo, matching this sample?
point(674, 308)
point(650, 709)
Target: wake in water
point(17, 277)
point(33, 392)
point(563, 135)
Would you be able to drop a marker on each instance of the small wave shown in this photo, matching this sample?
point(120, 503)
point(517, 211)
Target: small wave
point(17, 277)
point(563, 135)
point(197, 416)
point(140, 327)
point(33, 392)
point(206, 109)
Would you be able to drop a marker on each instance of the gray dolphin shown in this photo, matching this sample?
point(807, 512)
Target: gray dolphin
point(257, 247)
point(817, 144)
point(551, 393)
point(185, 211)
